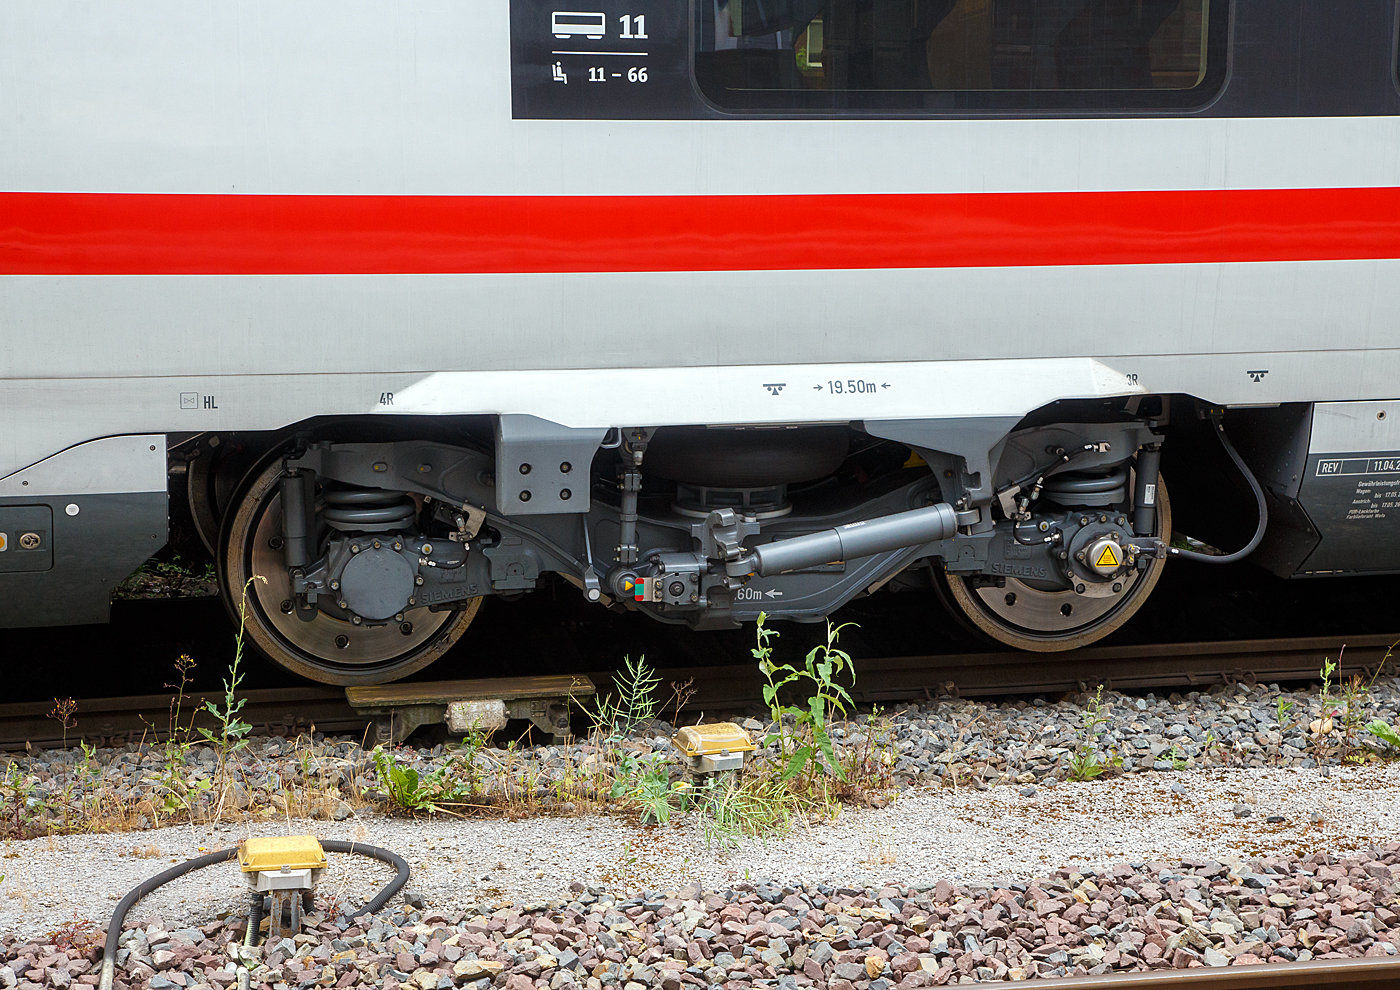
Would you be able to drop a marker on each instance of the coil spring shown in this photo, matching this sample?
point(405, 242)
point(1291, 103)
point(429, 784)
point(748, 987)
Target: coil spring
point(1088, 488)
point(367, 509)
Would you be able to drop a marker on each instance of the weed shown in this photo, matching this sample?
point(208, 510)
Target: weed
point(1282, 708)
point(63, 714)
point(731, 806)
point(412, 791)
point(1087, 763)
point(231, 734)
point(166, 579)
point(809, 743)
point(78, 935)
point(1385, 732)
point(879, 852)
point(616, 715)
point(1348, 707)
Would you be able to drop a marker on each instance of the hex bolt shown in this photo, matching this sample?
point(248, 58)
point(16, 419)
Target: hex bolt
point(418, 579)
point(413, 601)
point(565, 495)
point(525, 495)
point(335, 585)
point(1103, 518)
point(354, 548)
point(565, 467)
point(1044, 525)
point(1117, 586)
point(398, 545)
point(525, 469)
point(399, 617)
point(356, 619)
point(342, 604)
point(427, 549)
point(1083, 520)
point(1079, 555)
point(378, 545)
point(1079, 589)
point(677, 589)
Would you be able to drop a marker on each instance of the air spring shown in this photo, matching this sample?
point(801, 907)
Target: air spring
point(368, 509)
point(1085, 488)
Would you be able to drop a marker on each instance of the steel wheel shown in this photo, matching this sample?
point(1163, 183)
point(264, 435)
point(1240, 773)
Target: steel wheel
point(1049, 621)
point(329, 650)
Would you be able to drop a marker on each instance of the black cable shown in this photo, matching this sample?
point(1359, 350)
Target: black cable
point(114, 927)
point(384, 856)
point(1230, 558)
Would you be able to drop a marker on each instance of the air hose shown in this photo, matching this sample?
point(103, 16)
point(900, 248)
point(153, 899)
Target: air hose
point(114, 927)
point(1230, 558)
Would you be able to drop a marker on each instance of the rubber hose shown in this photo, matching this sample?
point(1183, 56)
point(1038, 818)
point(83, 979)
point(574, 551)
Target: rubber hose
point(250, 937)
point(1230, 558)
point(114, 927)
point(384, 856)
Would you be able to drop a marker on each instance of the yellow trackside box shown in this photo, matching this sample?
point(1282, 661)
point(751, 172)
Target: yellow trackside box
point(720, 746)
point(710, 740)
point(273, 853)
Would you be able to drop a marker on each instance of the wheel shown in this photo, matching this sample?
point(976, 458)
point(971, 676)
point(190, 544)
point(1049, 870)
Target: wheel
point(1026, 617)
point(328, 649)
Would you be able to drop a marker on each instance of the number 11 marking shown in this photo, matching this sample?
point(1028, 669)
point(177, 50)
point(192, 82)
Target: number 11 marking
point(633, 27)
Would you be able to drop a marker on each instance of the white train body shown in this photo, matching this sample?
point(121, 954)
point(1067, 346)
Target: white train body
point(240, 217)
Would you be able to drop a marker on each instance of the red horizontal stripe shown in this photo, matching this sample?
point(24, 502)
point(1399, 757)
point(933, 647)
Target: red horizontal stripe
point(149, 234)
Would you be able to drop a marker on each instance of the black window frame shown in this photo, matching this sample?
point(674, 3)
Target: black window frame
point(994, 103)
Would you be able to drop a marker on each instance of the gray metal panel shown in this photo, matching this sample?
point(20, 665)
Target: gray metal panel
point(98, 467)
point(542, 467)
point(1340, 427)
point(93, 551)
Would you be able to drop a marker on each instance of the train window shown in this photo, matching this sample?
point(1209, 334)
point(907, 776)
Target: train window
point(959, 55)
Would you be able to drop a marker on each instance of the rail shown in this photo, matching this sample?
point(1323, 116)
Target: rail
point(284, 711)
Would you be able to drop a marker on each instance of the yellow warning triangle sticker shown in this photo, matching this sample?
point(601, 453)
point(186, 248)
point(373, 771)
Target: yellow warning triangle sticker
point(1109, 557)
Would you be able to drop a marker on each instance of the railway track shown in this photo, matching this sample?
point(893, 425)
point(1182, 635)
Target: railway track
point(283, 711)
point(1358, 974)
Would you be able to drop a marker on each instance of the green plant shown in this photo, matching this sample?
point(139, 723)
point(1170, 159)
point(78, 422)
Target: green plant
point(231, 733)
point(633, 702)
point(729, 806)
point(647, 782)
point(1086, 763)
point(809, 742)
point(1282, 707)
point(1385, 732)
point(1177, 761)
point(62, 712)
point(412, 791)
point(165, 579)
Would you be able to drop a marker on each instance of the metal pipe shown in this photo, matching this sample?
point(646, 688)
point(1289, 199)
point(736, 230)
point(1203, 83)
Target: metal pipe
point(858, 539)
